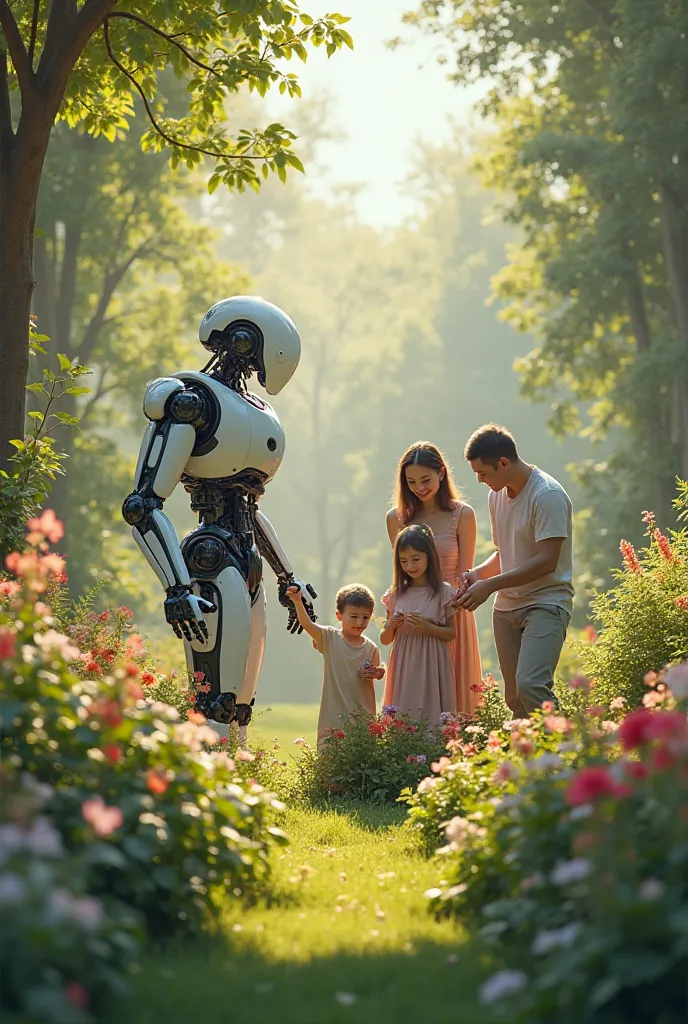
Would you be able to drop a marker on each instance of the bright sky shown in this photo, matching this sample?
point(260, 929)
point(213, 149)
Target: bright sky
point(385, 101)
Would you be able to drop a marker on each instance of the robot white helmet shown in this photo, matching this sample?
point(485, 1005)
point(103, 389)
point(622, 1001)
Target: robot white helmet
point(262, 333)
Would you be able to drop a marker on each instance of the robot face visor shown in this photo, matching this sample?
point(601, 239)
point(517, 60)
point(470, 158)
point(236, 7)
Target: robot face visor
point(242, 340)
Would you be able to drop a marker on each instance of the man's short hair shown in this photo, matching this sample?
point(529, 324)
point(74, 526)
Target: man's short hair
point(491, 443)
point(355, 594)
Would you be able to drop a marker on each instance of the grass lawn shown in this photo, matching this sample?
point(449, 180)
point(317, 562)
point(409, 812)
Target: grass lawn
point(284, 722)
point(344, 937)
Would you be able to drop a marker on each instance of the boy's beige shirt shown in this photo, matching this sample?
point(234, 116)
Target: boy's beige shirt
point(343, 689)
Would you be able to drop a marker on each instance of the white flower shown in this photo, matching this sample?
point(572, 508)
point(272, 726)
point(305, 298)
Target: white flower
point(43, 839)
point(456, 829)
point(677, 680)
point(651, 890)
point(12, 889)
point(474, 728)
point(52, 641)
point(583, 811)
point(617, 703)
point(11, 841)
point(299, 741)
point(544, 762)
point(426, 784)
point(345, 998)
point(557, 938)
point(568, 871)
point(504, 983)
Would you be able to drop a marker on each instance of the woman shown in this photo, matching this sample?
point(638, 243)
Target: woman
point(426, 495)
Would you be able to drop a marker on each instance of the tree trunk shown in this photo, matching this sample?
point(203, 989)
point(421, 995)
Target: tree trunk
point(675, 247)
point(16, 290)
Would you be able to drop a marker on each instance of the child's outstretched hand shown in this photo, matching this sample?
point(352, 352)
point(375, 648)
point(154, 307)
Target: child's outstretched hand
point(294, 593)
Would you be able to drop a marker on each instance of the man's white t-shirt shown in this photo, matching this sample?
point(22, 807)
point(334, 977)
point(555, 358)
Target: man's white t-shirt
point(541, 511)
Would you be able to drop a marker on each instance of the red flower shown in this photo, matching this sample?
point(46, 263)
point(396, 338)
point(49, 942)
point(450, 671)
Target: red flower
point(663, 544)
point(223, 739)
point(131, 669)
point(592, 783)
point(682, 602)
point(630, 557)
point(125, 612)
point(412, 728)
point(636, 770)
point(93, 667)
point(108, 654)
point(636, 729)
point(376, 729)
point(108, 711)
point(59, 578)
point(590, 634)
point(199, 676)
point(6, 644)
point(113, 753)
point(398, 723)
point(662, 758)
point(339, 734)
point(147, 678)
point(667, 724)
point(104, 616)
point(76, 995)
point(156, 782)
point(411, 758)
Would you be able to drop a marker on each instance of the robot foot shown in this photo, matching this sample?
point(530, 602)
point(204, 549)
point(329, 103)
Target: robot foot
point(224, 709)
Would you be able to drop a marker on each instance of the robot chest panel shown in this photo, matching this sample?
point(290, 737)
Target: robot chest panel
point(249, 436)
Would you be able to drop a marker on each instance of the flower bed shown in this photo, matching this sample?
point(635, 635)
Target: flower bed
point(566, 851)
point(152, 818)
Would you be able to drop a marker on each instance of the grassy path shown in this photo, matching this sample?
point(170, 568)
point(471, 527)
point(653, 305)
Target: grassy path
point(345, 938)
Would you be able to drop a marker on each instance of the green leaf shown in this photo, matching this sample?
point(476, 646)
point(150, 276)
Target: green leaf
point(65, 362)
point(35, 415)
point(64, 417)
point(77, 391)
point(36, 388)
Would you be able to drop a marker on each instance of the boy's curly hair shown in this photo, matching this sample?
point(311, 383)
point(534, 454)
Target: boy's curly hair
point(355, 594)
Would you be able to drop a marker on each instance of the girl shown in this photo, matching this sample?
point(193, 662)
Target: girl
point(426, 493)
point(420, 624)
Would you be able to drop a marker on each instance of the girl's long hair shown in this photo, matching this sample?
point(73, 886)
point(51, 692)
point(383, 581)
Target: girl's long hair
point(422, 453)
point(418, 538)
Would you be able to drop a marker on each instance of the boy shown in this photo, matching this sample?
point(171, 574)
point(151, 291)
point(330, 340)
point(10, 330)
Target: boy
point(352, 661)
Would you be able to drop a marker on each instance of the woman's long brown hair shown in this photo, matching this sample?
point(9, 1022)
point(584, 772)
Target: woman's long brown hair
point(422, 453)
point(418, 538)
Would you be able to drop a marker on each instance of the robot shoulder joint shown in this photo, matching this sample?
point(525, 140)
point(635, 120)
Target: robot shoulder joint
point(158, 394)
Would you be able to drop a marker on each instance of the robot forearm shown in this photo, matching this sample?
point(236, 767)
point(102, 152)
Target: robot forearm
point(157, 539)
point(276, 557)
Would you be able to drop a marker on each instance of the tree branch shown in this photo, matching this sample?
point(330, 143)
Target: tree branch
point(164, 35)
point(63, 48)
point(16, 49)
point(215, 154)
point(34, 30)
point(98, 320)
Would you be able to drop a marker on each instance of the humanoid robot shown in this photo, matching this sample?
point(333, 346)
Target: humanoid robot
point(224, 444)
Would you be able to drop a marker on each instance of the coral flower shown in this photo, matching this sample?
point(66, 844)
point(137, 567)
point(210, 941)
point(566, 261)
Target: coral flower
point(376, 728)
point(147, 678)
point(113, 753)
point(156, 782)
point(104, 820)
point(664, 545)
point(7, 643)
point(630, 558)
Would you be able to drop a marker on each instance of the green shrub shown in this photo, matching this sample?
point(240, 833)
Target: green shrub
point(178, 826)
point(643, 618)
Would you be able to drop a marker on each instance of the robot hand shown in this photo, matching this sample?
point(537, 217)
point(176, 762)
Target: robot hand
point(184, 612)
point(308, 595)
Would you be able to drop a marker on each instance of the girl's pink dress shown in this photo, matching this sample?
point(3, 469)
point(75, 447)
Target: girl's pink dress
point(420, 678)
point(464, 650)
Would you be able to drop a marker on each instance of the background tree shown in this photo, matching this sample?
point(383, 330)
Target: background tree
point(590, 156)
point(84, 64)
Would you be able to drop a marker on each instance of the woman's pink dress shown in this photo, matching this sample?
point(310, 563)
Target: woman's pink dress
point(464, 650)
point(420, 678)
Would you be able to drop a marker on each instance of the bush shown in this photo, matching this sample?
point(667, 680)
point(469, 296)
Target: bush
point(572, 867)
point(63, 953)
point(178, 828)
point(644, 617)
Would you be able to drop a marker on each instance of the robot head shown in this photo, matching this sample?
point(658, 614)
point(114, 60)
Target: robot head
point(255, 335)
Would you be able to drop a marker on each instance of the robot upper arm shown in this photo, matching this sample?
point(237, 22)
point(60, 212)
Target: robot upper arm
point(157, 394)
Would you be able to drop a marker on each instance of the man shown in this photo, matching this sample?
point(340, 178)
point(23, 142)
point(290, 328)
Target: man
point(530, 572)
